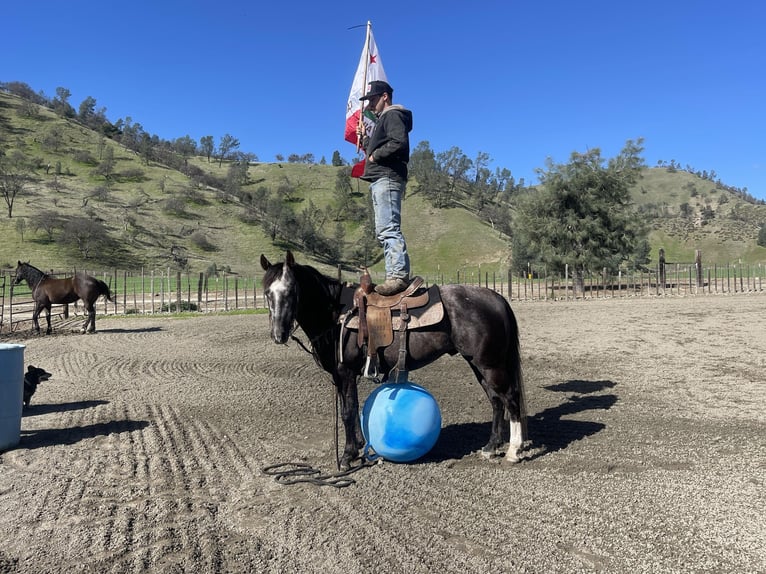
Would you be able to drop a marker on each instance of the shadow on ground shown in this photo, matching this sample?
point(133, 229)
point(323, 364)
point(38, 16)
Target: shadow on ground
point(49, 437)
point(549, 431)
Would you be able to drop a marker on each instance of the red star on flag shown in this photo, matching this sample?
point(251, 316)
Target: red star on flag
point(373, 57)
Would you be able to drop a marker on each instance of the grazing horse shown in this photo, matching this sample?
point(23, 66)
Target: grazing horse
point(478, 323)
point(47, 291)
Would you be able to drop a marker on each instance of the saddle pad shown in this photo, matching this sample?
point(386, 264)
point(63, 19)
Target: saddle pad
point(430, 316)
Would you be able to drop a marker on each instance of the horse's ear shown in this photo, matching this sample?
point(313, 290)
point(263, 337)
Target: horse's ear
point(289, 259)
point(265, 262)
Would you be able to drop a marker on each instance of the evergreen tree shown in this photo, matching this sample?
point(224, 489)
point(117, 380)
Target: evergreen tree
point(582, 215)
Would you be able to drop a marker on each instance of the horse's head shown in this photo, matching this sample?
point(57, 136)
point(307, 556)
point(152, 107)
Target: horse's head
point(21, 272)
point(281, 291)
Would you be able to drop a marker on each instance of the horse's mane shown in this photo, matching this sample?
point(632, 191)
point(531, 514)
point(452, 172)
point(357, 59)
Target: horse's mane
point(317, 275)
point(28, 264)
point(39, 273)
point(329, 287)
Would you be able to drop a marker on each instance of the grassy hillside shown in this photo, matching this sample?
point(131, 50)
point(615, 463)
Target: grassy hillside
point(205, 225)
point(155, 215)
point(719, 223)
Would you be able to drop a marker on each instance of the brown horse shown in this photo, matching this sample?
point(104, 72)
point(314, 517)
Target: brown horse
point(47, 291)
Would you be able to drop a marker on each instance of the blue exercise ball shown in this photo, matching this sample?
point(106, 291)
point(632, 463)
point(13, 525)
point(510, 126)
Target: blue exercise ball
point(401, 421)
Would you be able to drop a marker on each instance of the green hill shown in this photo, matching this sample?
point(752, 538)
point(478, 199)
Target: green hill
point(153, 216)
point(686, 213)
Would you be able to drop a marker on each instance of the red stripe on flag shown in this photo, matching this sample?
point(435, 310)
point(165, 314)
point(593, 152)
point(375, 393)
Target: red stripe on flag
point(351, 123)
point(358, 169)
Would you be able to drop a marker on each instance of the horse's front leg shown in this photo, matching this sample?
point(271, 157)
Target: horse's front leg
point(90, 319)
point(345, 383)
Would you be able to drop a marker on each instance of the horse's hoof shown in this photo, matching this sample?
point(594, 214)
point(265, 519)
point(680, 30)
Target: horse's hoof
point(489, 451)
point(513, 456)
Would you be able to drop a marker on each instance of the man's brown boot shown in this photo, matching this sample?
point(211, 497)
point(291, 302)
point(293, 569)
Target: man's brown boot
point(391, 286)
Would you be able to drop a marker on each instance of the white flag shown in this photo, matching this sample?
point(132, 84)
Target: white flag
point(371, 66)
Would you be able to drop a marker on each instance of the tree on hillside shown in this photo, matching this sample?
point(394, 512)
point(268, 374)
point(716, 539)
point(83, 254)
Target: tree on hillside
point(48, 220)
point(107, 165)
point(14, 175)
point(61, 103)
point(227, 144)
point(337, 161)
point(87, 109)
point(185, 146)
point(762, 235)
point(25, 91)
point(342, 195)
point(53, 139)
point(455, 165)
point(87, 236)
point(425, 171)
point(582, 215)
point(207, 146)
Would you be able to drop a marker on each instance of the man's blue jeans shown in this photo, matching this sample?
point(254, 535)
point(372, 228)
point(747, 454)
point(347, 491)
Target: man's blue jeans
point(387, 203)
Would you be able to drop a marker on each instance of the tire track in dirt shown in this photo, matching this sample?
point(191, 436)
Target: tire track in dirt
point(178, 471)
point(173, 370)
point(71, 364)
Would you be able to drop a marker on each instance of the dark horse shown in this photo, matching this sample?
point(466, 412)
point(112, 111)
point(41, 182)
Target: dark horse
point(47, 291)
point(478, 323)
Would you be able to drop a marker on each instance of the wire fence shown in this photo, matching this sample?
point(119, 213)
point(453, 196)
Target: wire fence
point(167, 291)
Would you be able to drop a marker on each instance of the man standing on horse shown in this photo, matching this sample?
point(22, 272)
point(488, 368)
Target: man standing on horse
point(387, 148)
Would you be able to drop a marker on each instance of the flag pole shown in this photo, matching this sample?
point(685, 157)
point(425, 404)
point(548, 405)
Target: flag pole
point(364, 81)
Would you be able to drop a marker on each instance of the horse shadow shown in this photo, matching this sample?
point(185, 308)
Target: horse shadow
point(139, 330)
point(548, 431)
point(50, 437)
point(44, 409)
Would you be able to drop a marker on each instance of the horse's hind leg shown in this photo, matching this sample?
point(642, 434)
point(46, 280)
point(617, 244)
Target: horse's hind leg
point(36, 319)
point(496, 434)
point(505, 400)
point(48, 330)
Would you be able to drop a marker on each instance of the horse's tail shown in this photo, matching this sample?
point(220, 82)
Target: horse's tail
point(103, 289)
point(513, 364)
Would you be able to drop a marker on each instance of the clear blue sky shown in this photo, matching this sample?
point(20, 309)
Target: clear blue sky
point(522, 81)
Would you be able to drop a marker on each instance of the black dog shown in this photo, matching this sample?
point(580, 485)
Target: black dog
point(33, 377)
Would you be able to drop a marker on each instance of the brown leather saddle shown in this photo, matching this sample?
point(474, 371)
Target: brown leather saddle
point(376, 317)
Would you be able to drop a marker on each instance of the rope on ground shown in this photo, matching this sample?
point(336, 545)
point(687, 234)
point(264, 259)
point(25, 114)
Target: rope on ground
point(296, 472)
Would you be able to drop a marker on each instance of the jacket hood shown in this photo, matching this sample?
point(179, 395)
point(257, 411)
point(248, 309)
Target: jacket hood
point(404, 112)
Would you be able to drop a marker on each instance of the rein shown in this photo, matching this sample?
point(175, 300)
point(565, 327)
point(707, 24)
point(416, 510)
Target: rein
point(288, 473)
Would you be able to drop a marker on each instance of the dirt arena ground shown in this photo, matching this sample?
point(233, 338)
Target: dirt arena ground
point(145, 452)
